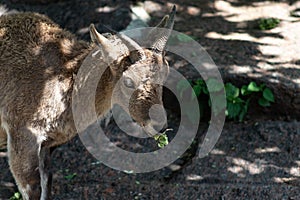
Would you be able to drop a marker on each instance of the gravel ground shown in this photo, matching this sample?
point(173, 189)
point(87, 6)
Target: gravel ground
point(256, 159)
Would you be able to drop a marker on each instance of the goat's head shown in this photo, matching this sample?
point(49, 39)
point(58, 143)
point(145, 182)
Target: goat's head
point(139, 74)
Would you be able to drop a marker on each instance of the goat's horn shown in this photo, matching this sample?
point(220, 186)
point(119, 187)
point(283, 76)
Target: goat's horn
point(163, 36)
point(170, 23)
point(163, 22)
point(132, 46)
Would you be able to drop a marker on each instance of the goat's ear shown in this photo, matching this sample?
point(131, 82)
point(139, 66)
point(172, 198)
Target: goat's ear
point(109, 51)
point(162, 35)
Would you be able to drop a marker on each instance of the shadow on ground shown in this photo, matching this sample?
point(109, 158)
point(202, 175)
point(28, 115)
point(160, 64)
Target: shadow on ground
point(252, 160)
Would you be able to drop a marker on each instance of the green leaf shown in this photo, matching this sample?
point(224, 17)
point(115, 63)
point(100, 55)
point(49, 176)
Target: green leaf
point(268, 95)
point(214, 85)
point(233, 109)
point(263, 102)
point(205, 90)
point(173, 40)
point(244, 90)
point(17, 196)
point(70, 176)
point(200, 82)
point(219, 104)
point(182, 86)
point(162, 140)
point(262, 86)
point(231, 91)
point(242, 114)
point(268, 23)
point(252, 87)
point(197, 91)
point(194, 54)
point(191, 112)
point(238, 100)
point(244, 110)
point(184, 38)
point(209, 102)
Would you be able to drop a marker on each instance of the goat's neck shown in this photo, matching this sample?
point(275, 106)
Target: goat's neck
point(103, 99)
point(105, 86)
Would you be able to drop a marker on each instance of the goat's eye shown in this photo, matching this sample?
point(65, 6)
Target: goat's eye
point(128, 82)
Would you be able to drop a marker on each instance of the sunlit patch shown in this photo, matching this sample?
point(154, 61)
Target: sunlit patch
point(194, 177)
point(82, 31)
point(294, 171)
point(66, 46)
point(217, 152)
point(235, 169)
point(51, 107)
point(284, 179)
point(3, 154)
point(174, 167)
point(152, 6)
point(241, 70)
point(253, 168)
point(2, 32)
point(267, 150)
point(231, 36)
point(238, 170)
point(192, 10)
point(105, 9)
point(8, 184)
point(3, 10)
point(140, 13)
point(258, 10)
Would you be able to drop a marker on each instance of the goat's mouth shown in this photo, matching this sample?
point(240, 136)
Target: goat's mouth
point(155, 130)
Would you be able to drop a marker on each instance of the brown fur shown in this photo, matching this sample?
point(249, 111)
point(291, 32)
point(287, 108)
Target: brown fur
point(38, 63)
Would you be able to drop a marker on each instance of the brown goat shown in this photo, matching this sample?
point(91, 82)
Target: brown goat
point(38, 64)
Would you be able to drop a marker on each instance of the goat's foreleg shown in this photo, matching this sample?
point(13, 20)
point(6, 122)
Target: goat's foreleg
point(29, 163)
point(46, 176)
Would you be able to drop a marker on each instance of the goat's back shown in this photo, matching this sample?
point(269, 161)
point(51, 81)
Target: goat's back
point(37, 63)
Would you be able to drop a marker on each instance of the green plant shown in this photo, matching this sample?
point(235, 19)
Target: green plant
point(198, 90)
point(70, 176)
point(237, 99)
point(188, 90)
point(16, 196)
point(162, 139)
point(268, 23)
point(180, 38)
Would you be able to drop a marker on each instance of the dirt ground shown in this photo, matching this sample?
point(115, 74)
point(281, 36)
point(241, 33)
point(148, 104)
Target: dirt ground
point(255, 159)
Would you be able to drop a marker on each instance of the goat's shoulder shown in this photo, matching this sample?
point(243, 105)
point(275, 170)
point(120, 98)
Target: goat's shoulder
point(37, 62)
